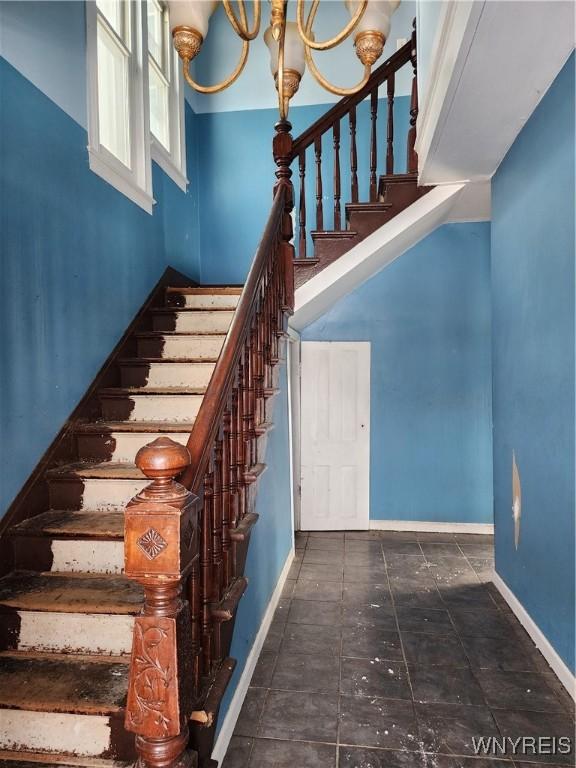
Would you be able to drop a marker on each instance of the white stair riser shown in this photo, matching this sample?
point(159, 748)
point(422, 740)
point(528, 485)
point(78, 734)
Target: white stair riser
point(71, 556)
point(110, 495)
point(158, 408)
point(87, 735)
point(216, 301)
point(184, 347)
point(75, 632)
point(175, 375)
point(127, 444)
point(195, 322)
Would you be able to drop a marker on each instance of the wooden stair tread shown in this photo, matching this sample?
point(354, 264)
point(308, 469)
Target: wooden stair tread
point(65, 523)
point(309, 261)
point(376, 207)
point(130, 391)
point(62, 684)
point(226, 608)
point(100, 427)
point(214, 693)
point(174, 309)
point(22, 759)
point(398, 178)
point(178, 334)
point(333, 234)
point(207, 290)
point(70, 593)
point(106, 470)
point(172, 360)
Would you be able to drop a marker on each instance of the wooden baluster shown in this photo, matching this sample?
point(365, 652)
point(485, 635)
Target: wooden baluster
point(302, 209)
point(336, 140)
point(241, 448)
point(206, 574)
point(353, 157)
point(390, 125)
point(218, 581)
point(226, 499)
point(161, 549)
point(373, 193)
point(251, 399)
point(259, 366)
point(412, 160)
point(234, 491)
point(319, 203)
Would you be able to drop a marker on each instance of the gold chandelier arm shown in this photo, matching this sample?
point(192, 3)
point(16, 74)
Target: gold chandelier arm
point(305, 32)
point(241, 27)
point(225, 83)
point(319, 77)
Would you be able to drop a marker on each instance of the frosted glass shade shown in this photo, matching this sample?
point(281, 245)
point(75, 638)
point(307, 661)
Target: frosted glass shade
point(376, 17)
point(293, 49)
point(192, 13)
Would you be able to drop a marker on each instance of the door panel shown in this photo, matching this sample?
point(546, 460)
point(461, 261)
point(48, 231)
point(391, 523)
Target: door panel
point(335, 435)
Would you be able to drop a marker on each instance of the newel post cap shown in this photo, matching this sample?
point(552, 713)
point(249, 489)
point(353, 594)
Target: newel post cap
point(163, 459)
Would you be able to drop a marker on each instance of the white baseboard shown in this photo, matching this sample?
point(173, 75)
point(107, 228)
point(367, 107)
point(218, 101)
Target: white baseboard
point(560, 669)
point(229, 723)
point(425, 527)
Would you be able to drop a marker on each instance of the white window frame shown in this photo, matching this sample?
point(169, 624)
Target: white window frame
point(134, 182)
point(173, 163)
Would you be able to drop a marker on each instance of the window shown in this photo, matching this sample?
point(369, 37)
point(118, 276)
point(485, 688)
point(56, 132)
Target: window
point(165, 91)
point(135, 102)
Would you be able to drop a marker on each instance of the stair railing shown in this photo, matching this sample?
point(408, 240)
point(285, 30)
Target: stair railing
point(186, 541)
point(327, 130)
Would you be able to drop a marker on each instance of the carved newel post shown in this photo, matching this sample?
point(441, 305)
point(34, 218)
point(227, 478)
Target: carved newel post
point(282, 151)
point(161, 545)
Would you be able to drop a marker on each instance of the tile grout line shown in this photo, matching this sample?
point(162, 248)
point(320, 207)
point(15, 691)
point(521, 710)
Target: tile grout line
point(416, 720)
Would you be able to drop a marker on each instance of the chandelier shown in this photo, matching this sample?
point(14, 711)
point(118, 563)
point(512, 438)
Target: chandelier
point(290, 43)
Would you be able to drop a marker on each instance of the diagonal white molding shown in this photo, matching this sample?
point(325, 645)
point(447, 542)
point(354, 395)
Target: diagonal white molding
point(374, 253)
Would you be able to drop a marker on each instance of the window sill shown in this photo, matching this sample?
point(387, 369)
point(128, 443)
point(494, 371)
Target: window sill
point(163, 159)
point(120, 181)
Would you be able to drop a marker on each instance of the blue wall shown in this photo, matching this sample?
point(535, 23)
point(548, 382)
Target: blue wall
point(235, 155)
point(78, 260)
point(271, 539)
point(427, 316)
point(533, 359)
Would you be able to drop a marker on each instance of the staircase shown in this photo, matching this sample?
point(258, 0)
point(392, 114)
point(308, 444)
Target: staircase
point(66, 609)
point(124, 560)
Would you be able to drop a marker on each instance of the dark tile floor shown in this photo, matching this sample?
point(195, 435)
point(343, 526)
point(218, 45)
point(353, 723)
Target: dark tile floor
point(394, 650)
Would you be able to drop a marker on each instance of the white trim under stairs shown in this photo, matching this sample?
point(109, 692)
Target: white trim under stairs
point(373, 253)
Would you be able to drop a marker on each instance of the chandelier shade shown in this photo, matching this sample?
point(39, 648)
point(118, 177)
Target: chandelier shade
point(290, 43)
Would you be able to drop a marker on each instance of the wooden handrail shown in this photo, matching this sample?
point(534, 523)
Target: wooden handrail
point(210, 414)
point(342, 108)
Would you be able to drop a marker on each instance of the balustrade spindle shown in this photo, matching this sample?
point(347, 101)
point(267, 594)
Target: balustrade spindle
point(390, 125)
point(302, 207)
point(373, 194)
point(218, 581)
point(206, 571)
point(241, 444)
point(234, 490)
point(353, 156)
point(336, 139)
point(412, 161)
point(319, 192)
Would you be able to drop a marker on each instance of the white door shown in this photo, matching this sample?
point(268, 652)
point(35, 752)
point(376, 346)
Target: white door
point(335, 435)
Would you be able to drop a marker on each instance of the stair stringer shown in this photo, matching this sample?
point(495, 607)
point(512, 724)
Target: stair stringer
point(373, 253)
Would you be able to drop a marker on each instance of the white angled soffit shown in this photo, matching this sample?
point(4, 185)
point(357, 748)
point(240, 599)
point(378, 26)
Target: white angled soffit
point(374, 253)
point(492, 63)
